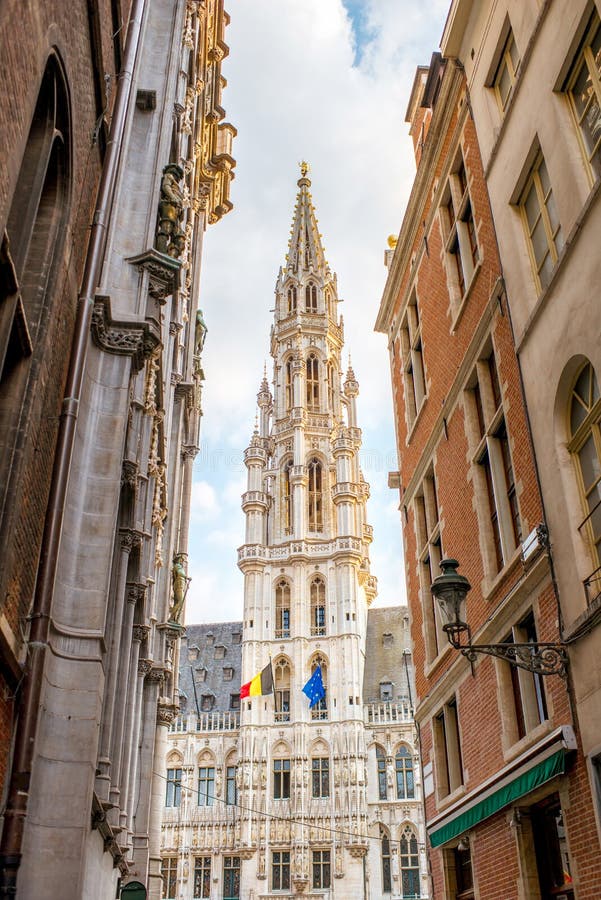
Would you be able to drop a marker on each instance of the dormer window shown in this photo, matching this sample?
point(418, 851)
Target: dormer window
point(219, 651)
point(386, 690)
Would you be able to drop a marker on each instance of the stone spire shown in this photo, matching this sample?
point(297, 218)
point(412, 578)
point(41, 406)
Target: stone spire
point(305, 249)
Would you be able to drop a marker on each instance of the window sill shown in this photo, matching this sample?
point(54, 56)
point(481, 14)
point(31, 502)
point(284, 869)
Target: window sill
point(415, 422)
point(447, 801)
point(566, 250)
point(442, 655)
point(529, 740)
point(464, 300)
point(493, 586)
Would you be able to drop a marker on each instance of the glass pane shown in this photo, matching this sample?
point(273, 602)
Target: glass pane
point(594, 505)
point(513, 52)
point(504, 85)
point(532, 207)
point(546, 270)
point(544, 177)
point(539, 243)
point(589, 463)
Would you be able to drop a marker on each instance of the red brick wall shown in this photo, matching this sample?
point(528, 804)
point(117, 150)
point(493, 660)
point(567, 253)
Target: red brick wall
point(494, 851)
point(28, 32)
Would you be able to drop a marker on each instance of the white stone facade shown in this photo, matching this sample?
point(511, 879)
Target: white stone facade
point(324, 796)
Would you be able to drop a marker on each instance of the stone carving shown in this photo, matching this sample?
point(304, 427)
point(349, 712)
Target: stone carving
point(140, 634)
point(135, 339)
point(180, 583)
point(170, 239)
point(200, 333)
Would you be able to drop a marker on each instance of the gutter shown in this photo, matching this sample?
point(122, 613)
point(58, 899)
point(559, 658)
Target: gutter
point(25, 739)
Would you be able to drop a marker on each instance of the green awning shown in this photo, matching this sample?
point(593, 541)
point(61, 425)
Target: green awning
point(503, 796)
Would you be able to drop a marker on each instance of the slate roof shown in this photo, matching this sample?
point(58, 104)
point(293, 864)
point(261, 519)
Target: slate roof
point(386, 639)
point(208, 653)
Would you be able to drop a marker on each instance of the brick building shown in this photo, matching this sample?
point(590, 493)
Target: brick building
point(114, 161)
point(534, 76)
point(506, 793)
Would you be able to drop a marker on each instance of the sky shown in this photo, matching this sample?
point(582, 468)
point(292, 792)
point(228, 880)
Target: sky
point(328, 82)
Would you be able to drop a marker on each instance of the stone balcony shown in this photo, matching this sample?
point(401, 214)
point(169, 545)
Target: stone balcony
point(208, 722)
point(387, 713)
point(309, 549)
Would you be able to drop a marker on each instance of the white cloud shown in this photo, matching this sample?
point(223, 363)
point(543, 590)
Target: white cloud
point(294, 91)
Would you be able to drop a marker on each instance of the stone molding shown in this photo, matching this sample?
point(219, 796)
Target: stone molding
point(163, 272)
point(123, 338)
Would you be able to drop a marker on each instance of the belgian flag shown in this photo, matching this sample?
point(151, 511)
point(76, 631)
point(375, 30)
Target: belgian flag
point(259, 685)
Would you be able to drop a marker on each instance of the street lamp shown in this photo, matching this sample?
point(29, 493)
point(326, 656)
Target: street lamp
point(450, 590)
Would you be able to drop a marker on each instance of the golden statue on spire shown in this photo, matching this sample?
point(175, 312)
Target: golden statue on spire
point(304, 167)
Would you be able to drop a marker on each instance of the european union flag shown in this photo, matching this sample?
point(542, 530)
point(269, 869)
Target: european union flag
point(314, 688)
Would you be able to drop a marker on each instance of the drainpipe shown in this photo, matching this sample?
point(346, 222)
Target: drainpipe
point(25, 737)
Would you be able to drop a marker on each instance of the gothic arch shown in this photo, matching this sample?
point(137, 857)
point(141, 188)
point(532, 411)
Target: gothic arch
point(311, 297)
point(288, 381)
point(313, 376)
point(316, 471)
point(281, 750)
point(205, 758)
point(31, 258)
point(577, 428)
point(291, 295)
point(287, 495)
point(175, 759)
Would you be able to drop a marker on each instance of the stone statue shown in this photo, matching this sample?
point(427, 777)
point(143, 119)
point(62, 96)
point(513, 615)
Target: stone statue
point(179, 583)
point(170, 239)
point(200, 333)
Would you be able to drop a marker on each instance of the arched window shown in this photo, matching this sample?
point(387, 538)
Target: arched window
point(403, 765)
point(386, 874)
point(312, 383)
point(330, 369)
point(318, 606)
point(287, 501)
point(281, 674)
point(315, 496)
point(381, 772)
point(291, 299)
point(282, 609)
point(311, 298)
point(30, 259)
point(289, 384)
point(320, 710)
point(409, 864)
point(585, 446)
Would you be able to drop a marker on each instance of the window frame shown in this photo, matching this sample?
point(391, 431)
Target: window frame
point(231, 874)
point(554, 239)
point(447, 749)
point(206, 797)
point(409, 863)
point(281, 771)
point(404, 774)
point(173, 788)
point(506, 64)
point(459, 232)
point(426, 510)
point(584, 60)
point(492, 461)
point(280, 870)
point(579, 436)
point(412, 360)
point(321, 869)
point(315, 495)
point(201, 875)
point(169, 877)
point(320, 777)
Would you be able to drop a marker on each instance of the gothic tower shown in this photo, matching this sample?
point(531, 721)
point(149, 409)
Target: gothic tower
point(307, 587)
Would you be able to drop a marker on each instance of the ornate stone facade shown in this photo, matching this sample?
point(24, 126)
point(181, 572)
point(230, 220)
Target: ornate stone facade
point(98, 665)
point(323, 797)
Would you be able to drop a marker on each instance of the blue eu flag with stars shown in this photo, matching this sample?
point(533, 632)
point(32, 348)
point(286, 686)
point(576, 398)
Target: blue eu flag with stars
point(314, 688)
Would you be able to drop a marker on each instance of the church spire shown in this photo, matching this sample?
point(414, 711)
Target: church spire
point(305, 249)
